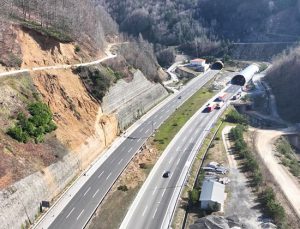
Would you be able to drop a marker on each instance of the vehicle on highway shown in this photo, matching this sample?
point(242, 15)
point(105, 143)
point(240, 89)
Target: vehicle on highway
point(219, 105)
point(166, 174)
point(210, 107)
point(221, 97)
point(237, 96)
point(179, 97)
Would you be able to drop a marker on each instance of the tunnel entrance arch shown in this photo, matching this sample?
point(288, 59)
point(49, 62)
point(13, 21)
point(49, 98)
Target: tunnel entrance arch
point(218, 65)
point(238, 80)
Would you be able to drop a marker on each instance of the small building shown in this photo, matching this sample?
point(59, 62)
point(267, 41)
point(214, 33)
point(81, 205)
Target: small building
point(198, 62)
point(212, 195)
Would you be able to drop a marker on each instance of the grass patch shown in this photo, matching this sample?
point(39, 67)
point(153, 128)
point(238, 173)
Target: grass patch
point(176, 121)
point(46, 31)
point(287, 156)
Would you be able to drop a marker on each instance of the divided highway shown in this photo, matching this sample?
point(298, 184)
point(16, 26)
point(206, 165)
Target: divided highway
point(78, 211)
point(154, 205)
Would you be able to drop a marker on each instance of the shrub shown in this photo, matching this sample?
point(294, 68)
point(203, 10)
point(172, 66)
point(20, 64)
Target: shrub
point(77, 49)
point(36, 126)
point(123, 188)
point(234, 117)
point(194, 196)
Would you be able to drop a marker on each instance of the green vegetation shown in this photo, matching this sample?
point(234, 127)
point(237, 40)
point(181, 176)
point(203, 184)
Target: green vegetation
point(262, 67)
point(176, 121)
point(234, 117)
point(250, 165)
point(194, 196)
point(77, 48)
point(271, 206)
point(47, 31)
point(287, 156)
point(96, 81)
point(34, 127)
point(123, 188)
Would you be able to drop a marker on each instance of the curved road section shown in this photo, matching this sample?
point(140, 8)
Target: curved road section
point(79, 209)
point(156, 201)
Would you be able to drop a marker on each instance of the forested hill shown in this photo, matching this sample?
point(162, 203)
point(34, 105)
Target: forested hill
point(65, 20)
point(284, 80)
point(180, 21)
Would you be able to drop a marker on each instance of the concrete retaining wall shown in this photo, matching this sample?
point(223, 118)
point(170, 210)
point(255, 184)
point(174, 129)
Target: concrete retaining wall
point(131, 100)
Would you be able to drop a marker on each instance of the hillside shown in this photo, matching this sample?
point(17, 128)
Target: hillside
point(204, 27)
point(284, 81)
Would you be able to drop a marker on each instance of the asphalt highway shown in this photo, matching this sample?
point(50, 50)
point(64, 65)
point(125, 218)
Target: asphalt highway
point(79, 210)
point(151, 209)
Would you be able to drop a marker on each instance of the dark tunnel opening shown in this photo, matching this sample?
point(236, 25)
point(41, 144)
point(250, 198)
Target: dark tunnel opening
point(238, 80)
point(217, 65)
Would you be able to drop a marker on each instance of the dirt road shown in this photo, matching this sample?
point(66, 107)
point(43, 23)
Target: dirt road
point(264, 142)
point(241, 197)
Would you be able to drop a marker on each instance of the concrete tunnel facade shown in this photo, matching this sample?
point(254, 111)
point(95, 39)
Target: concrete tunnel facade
point(246, 75)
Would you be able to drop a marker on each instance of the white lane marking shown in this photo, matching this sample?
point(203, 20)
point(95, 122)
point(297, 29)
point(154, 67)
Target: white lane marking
point(87, 191)
point(129, 149)
point(154, 123)
point(168, 111)
point(171, 159)
point(155, 116)
point(154, 190)
point(100, 174)
point(70, 213)
point(154, 213)
point(80, 214)
point(108, 176)
point(177, 149)
point(147, 131)
point(120, 161)
point(95, 193)
point(192, 139)
point(161, 117)
point(184, 138)
point(141, 130)
point(139, 140)
point(145, 210)
point(131, 140)
point(163, 193)
point(178, 161)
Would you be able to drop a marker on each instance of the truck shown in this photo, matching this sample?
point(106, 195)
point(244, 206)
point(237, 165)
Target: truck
point(210, 107)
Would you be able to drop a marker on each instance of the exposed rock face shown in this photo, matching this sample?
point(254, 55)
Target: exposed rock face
point(82, 127)
point(130, 100)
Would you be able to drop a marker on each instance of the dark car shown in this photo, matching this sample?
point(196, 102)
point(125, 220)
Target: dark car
point(166, 174)
point(179, 97)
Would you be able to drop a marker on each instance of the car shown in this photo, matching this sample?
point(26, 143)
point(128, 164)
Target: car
point(166, 174)
point(179, 97)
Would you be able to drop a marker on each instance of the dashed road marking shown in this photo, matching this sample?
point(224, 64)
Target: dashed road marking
point(163, 193)
point(129, 149)
point(120, 161)
point(70, 213)
point(145, 210)
point(100, 174)
point(154, 190)
point(87, 191)
point(108, 176)
point(154, 213)
point(95, 193)
point(80, 214)
point(139, 140)
point(178, 161)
